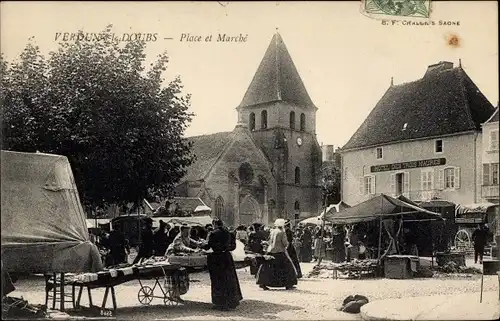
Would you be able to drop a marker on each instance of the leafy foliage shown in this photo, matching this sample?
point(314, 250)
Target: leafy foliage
point(94, 102)
point(330, 183)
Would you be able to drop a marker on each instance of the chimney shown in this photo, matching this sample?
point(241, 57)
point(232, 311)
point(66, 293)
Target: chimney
point(439, 67)
point(328, 152)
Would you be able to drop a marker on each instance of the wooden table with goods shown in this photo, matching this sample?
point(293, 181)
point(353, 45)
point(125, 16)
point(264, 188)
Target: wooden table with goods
point(162, 270)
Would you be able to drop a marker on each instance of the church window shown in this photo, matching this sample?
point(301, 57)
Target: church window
point(246, 173)
point(292, 120)
point(252, 121)
point(263, 119)
point(219, 207)
point(302, 122)
point(297, 175)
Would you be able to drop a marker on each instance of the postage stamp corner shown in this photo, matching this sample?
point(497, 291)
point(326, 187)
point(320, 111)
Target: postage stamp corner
point(396, 8)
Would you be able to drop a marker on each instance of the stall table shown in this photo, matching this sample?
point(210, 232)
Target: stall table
point(108, 279)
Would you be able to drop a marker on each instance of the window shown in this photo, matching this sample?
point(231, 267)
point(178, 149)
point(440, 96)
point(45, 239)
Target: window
point(379, 153)
point(438, 146)
point(263, 119)
point(292, 120)
point(252, 121)
point(427, 180)
point(246, 173)
point(367, 185)
point(449, 178)
point(297, 175)
point(490, 174)
point(400, 184)
point(302, 122)
point(494, 140)
point(219, 207)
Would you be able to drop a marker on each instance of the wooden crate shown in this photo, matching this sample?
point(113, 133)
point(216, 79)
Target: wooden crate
point(397, 268)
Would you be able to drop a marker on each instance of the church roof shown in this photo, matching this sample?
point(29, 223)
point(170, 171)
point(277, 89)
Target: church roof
point(445, 101)
point(277, 79)
point(207, 149)
point(494, 117)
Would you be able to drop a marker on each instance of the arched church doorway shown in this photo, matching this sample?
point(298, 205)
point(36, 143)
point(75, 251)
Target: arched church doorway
point(249, 211)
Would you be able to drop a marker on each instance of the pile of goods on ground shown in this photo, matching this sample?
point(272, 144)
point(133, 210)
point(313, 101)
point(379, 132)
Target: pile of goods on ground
point(17, 308)
point(353, 303)
point(322, 271)
point(353, 269)
point(453, 269)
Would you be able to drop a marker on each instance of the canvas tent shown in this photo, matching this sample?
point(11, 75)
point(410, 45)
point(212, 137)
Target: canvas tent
point(380, 206)
point(44, 227)
point(318, 220)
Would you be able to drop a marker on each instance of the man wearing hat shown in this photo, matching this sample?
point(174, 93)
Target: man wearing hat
point(279, 272)
point(147, 241)
point(255, 244)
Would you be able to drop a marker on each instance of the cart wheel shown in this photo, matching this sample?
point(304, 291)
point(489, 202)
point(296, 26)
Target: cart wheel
point(169, 299)
point(462, 239)
point(145, 295)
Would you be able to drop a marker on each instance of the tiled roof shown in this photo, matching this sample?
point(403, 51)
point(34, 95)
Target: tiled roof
point(186, 204)
point(277, 79)
point(494, 117)
point(206, 149)
point(444, 101)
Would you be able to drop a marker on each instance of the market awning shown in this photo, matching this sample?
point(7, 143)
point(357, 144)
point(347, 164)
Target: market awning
point(381, 206)
point(189, 220)
point(202, 208)
point(91, 222)
point(476, 208)
point(336, 208)
point(43, 223)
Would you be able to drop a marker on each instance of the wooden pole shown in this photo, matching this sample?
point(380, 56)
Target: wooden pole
point(320, 243)
point(379, 239)
point(482, 280)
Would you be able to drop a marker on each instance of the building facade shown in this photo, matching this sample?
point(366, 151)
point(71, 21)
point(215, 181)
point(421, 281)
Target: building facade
point(488, 188)
point(269, 166)
point(422, 140)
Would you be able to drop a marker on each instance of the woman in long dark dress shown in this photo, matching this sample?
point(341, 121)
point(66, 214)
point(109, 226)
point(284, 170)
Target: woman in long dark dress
point(291, 249)
point(226, 291)
point(306, 246)
point(279, 272)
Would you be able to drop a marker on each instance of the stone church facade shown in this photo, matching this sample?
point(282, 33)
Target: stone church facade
point(269, 165)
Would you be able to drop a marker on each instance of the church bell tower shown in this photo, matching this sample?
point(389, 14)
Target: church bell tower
point(282, 118)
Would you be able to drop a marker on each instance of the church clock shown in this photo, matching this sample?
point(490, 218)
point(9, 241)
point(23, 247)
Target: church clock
point(299, 141)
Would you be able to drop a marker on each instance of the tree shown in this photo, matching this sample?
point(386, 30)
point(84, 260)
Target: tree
point(94, 102)
point(330, 183)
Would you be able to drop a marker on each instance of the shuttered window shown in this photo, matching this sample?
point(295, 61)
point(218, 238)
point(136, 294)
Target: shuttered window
point(490, 174)
point(494, 140)
point(449, 178)
point(367, 185)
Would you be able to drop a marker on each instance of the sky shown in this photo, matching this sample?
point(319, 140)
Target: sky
point(345, 59)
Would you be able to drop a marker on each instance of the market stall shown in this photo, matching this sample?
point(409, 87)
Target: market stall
point(170, 276)
point(44, 228)
point(391, 213)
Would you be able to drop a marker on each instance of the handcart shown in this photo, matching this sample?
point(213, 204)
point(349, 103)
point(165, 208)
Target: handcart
point(170, 275)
